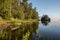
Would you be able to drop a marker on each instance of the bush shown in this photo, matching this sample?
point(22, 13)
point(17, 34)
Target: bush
point(14, 23)
point(1, 19)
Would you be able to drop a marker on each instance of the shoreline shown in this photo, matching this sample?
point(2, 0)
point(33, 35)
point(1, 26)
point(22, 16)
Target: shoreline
point(21, 21)
point(5, 23)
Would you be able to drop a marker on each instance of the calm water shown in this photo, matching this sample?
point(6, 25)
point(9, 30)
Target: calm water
point(47, 31)
point(34, 31)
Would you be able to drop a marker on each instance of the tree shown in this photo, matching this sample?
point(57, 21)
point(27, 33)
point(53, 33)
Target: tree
point(45, 18)
point(5, 12)
point(35, 14)
point(19, 9)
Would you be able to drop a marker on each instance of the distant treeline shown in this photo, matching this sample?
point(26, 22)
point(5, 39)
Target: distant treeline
point(17, 9)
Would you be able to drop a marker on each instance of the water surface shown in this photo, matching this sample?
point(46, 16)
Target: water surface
point(48, 31)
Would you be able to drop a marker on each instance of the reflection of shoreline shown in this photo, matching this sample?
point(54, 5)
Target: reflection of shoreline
point(22, 33)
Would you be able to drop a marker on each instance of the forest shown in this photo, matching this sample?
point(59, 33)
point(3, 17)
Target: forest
point(17, 9)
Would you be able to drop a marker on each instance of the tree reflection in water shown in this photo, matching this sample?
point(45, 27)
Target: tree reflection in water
point(22, 33)
point(45, 22)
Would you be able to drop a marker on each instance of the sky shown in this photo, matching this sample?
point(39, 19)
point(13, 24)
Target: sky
point(49, 7)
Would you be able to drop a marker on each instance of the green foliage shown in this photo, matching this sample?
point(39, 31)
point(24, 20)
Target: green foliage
point(1, 19)
point(21, 14)
point(5, 15)
point(22, 33)
point(26, 36)
point(35, 14)
point(15, 9)
point(14, 23)
point(5, 34)
point(5, 9)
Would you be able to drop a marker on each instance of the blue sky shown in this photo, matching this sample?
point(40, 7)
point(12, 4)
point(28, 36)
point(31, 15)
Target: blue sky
point(49, 7)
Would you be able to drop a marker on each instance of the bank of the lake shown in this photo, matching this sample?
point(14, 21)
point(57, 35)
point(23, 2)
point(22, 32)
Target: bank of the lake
point(14, 23)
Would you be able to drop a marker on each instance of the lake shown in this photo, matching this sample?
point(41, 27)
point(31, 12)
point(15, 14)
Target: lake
point(47, 31)
point(34, 31)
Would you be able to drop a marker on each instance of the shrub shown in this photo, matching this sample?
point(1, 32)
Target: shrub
point(1, 19)
point(14, 23)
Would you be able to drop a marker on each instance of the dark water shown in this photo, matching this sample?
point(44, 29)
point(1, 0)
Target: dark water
point(34, 31)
